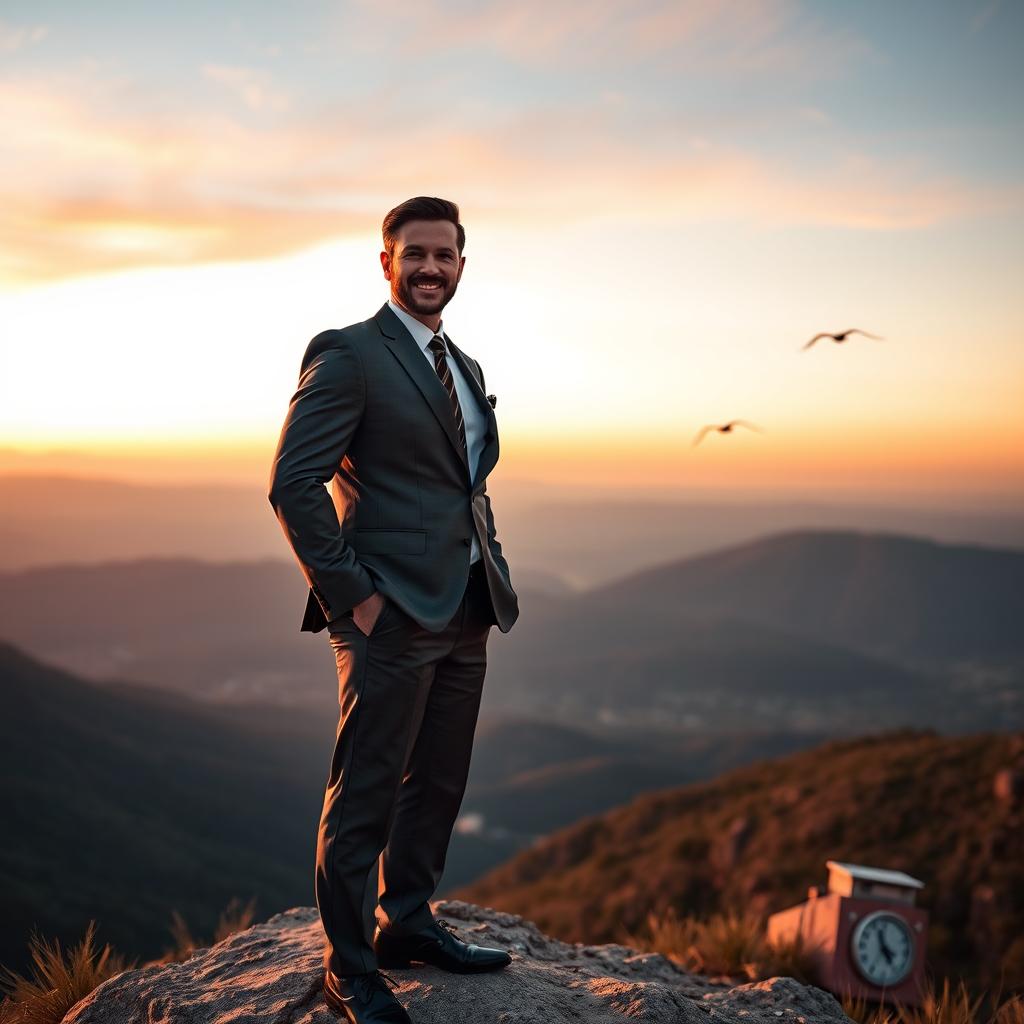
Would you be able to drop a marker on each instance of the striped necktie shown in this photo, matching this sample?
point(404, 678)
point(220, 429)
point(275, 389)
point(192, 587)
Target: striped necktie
point(445, 373)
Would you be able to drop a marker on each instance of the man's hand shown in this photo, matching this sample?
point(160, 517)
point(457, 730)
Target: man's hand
point(364, 614)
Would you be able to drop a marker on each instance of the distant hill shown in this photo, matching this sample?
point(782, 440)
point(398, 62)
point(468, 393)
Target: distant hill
point(819, 630)
point(57, 521)
point(124, 805)
point(596, 541)
point(897, 597)
point(54, 515)
point(217, 631)
point(529, 777)
point(759, 835)
point(123, 802)
point(52, 520)
point(610, 666)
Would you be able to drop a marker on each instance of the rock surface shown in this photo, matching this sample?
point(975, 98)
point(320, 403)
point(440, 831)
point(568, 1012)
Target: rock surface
point(272, 972)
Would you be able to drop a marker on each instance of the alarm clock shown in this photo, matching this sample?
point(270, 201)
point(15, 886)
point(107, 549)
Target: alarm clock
point(864, 934)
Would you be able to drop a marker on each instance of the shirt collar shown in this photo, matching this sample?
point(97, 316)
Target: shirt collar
point(420, 331)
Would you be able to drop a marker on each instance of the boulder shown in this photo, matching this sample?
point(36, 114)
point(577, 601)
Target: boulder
point(272, 973)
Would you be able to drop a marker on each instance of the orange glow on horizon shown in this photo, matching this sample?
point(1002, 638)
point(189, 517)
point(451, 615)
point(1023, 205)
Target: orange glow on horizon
point(875, 460)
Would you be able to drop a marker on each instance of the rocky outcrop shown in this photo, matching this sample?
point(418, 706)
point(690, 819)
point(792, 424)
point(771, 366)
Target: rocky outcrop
point(271, 974)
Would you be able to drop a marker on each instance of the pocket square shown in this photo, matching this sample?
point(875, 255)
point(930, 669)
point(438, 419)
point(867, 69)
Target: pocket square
point(493, 399)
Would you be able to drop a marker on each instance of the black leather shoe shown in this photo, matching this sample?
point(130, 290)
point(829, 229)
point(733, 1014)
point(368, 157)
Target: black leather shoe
point(364, 998)
point(436, 944)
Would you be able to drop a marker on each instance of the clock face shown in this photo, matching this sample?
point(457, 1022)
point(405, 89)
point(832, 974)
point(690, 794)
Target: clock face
point(882, 946)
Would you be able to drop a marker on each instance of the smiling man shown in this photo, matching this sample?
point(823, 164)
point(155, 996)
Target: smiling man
point(405, 571)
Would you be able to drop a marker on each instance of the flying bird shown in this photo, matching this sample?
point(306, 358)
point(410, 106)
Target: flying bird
point(842, 336)
point(725, 428)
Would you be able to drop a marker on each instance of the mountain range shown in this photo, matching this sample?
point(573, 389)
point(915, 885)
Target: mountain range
point(816, 630)
point(822, 630)
point(562, 533)
point(123, 802)
point(165, 729)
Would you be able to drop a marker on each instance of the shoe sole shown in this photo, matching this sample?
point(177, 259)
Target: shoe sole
point(337, 1007)
point(333, 1003)
point(396, 963)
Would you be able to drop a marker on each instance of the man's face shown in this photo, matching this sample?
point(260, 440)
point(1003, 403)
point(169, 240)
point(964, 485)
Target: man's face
point(425, 268)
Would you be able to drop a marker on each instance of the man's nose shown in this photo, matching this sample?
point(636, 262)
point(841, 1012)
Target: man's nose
point(430, 266)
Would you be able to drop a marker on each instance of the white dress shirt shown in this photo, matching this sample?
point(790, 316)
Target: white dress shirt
point(473, 420)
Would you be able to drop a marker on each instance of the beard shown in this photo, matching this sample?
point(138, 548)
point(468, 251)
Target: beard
point(415, 301)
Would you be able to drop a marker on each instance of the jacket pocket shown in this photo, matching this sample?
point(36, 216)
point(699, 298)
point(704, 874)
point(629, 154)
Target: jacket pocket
point(377, 541)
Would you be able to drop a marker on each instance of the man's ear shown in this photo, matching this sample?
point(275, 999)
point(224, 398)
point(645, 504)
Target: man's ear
point(385, 262)
point(462, 266)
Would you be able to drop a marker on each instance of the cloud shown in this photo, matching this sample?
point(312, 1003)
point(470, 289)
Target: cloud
point(70, 238)
point(983, 16)
point(814, 115)
point(738, 37)
point(90, 186)
point(252, 87)
point(14, 38)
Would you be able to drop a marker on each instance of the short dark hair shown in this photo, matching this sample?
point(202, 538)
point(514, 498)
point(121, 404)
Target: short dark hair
point(421, 208)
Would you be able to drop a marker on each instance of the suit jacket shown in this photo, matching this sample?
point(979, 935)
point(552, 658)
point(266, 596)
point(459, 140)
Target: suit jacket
point(371, 415)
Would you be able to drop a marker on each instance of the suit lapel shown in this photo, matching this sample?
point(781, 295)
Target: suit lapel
point(408, 353)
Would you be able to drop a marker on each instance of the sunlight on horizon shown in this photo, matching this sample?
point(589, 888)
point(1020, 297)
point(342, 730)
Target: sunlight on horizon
point(655, 227)
point(181, 360)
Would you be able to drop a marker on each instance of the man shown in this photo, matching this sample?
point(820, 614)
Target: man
point(405, 571)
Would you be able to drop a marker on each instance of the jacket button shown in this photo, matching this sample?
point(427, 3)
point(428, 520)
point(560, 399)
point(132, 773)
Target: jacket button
point(466, 541)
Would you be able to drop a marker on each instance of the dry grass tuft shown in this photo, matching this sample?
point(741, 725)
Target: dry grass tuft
point(234, 918)
point(57, 979)
point(731, 943)
point(946, 1007)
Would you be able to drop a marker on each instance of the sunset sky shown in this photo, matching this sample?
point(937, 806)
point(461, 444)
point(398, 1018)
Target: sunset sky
point(663, 201)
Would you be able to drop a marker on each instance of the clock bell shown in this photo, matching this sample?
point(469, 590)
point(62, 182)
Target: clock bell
point(864, 933)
